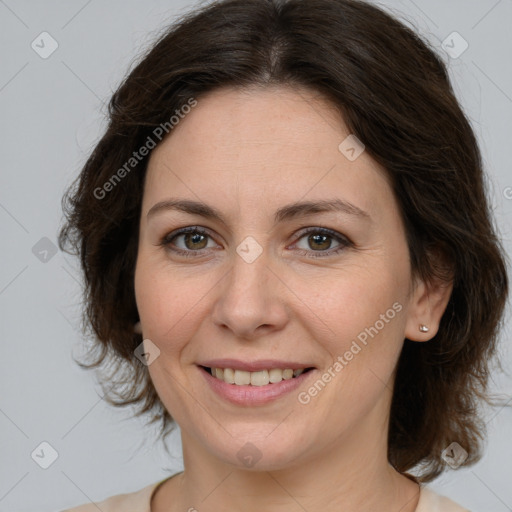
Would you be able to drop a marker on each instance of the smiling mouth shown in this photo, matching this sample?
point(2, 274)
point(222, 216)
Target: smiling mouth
point(259, 378)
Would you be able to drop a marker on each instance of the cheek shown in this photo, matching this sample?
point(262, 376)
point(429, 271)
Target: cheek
point(166, 302)
point(360, 319)
point(359, 323)
point(173, 301)
point(351, 302)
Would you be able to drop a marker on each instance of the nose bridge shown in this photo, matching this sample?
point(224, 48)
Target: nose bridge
point(250, 294)
point(248, 279)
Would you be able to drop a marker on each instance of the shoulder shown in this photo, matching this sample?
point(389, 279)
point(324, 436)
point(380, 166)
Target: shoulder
point(137, 500)
point(430, 501)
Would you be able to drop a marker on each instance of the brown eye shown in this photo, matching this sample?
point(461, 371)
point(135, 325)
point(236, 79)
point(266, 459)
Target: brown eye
point(187, 241)
point(194, 240)
point(319, 241)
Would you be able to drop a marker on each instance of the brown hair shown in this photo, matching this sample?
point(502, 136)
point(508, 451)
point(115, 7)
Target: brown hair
point(395, 96)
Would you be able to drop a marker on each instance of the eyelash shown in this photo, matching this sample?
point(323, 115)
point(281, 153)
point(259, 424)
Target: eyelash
point(345, 242)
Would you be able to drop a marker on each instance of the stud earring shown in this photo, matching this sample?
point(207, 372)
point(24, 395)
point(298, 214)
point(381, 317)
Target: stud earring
point(137, 328)
point(423, 328)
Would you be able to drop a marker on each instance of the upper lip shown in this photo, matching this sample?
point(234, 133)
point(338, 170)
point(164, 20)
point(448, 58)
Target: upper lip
point(254, 366)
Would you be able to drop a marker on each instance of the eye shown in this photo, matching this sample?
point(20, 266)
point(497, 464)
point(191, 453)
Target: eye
point(194, 240)
point(320, 240)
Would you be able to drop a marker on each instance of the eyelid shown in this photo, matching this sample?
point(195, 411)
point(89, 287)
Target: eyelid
point(327, 231)
point(343, 240)
point(166, 239)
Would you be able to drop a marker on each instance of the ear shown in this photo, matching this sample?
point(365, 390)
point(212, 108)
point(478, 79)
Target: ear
point(426, 307)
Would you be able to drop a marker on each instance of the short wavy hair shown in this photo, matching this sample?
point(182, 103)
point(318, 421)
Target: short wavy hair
point(394, 94)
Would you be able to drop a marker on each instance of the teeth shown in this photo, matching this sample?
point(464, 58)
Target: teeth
point(275, 375)
point(242, 378)
point(229, 375)
point(261, 378)
point(287, 374)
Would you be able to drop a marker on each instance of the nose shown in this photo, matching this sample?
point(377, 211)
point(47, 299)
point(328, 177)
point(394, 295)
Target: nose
point(251, 299)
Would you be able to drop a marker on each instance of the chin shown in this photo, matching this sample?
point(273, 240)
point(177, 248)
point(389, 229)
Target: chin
point(260, 452)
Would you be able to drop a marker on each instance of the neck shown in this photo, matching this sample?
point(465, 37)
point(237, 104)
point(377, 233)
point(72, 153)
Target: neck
point(350, 475)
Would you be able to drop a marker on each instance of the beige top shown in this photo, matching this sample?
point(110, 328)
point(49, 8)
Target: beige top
point(139, 501)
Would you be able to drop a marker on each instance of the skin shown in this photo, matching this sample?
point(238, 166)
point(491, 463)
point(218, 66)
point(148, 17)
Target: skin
point(247, 153)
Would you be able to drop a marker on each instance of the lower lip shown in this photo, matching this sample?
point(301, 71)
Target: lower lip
point(253, 395)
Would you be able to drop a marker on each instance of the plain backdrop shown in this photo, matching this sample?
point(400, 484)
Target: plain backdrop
point(52, 113)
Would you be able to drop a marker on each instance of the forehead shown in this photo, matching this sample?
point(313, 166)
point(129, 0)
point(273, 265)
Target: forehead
point(245, 119)
point(279, 142)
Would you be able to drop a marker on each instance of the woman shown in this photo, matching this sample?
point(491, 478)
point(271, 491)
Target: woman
point(287, 244)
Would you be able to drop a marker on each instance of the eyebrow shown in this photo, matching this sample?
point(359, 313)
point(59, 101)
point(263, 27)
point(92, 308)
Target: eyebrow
point(285, 213)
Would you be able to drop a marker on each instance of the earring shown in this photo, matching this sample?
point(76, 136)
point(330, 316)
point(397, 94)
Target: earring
point(423, 328)
point(137, 328)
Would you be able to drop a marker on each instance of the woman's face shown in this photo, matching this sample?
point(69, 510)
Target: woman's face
point(272, 284)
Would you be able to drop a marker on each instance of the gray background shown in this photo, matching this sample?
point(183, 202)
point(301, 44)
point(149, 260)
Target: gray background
point(52, 114)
